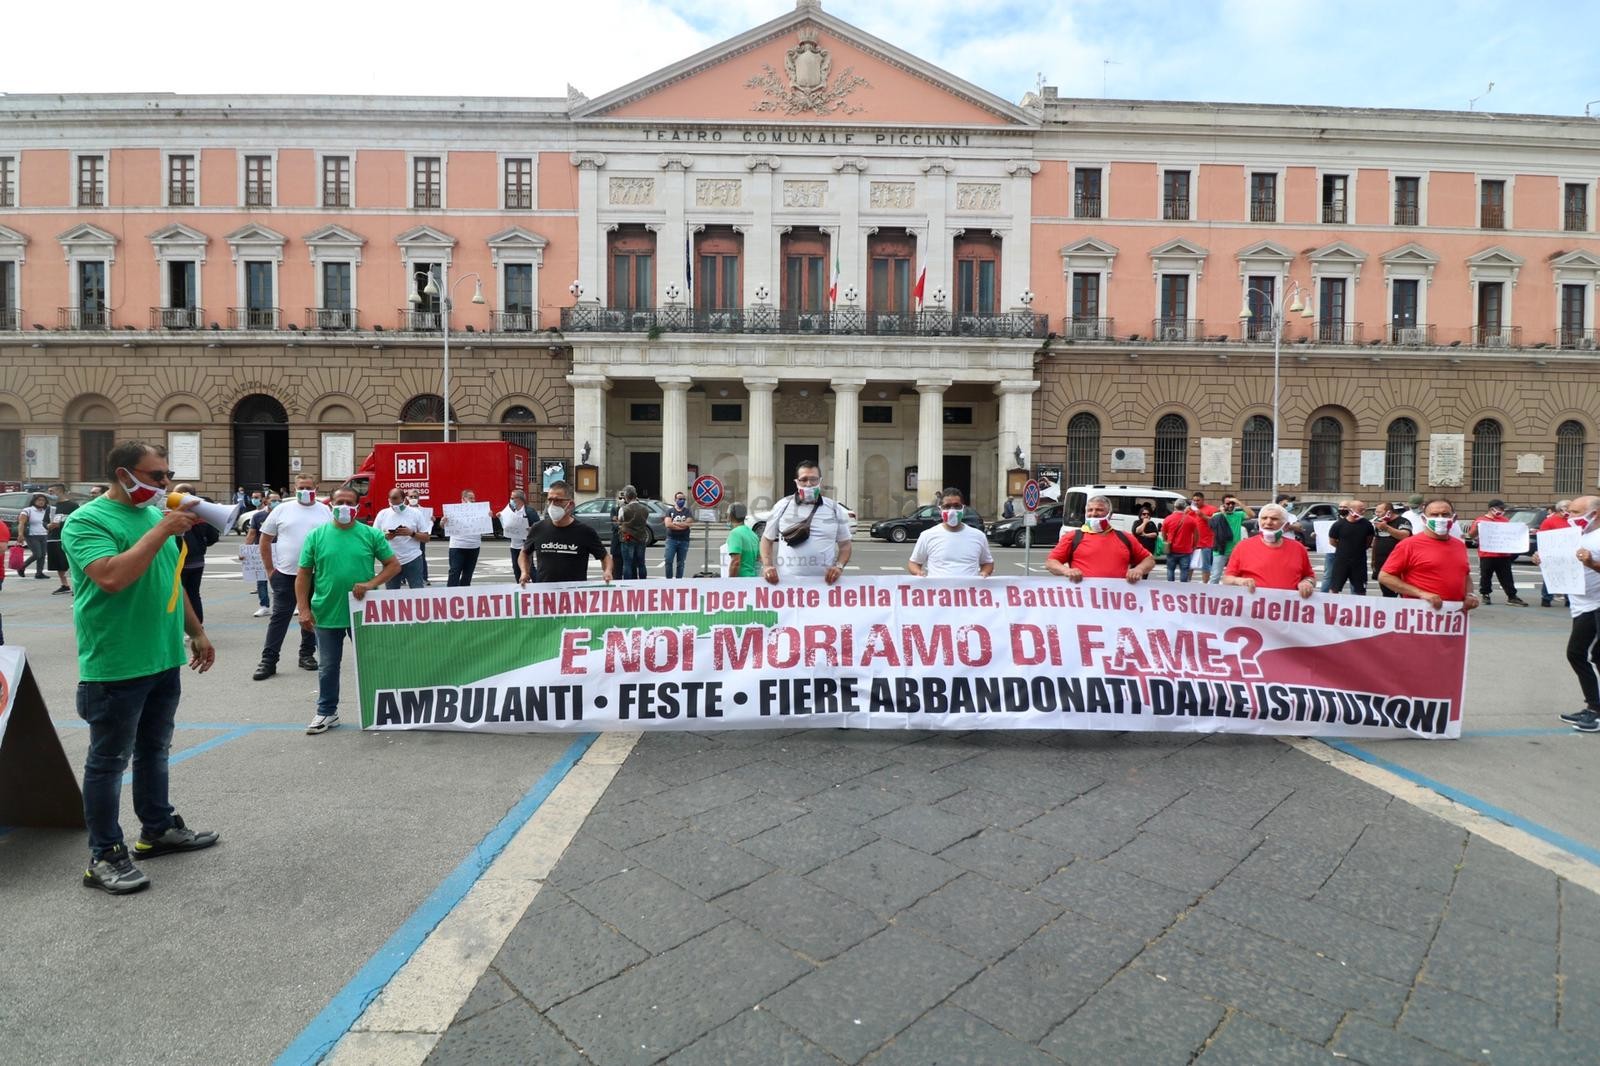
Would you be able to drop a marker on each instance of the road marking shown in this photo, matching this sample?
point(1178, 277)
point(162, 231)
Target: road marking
point(1543, 847)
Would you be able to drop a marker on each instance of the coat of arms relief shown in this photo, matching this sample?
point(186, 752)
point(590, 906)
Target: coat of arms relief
point(808, 66)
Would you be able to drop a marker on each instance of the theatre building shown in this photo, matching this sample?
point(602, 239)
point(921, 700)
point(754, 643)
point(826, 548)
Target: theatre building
point(806, 243)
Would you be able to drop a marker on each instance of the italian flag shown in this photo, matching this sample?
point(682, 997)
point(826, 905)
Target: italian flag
point(922, 281)
point(833, 290)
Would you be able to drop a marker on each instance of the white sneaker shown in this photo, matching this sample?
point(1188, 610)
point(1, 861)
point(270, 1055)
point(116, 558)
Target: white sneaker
point(262, 612)
point(321, 724)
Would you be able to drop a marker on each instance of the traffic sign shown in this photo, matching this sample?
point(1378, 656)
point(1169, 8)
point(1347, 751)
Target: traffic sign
point(1030, 495)
point(707, 490)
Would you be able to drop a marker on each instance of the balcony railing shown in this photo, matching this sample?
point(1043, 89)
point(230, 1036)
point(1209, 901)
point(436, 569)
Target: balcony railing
point(849, 320)
point(1177, 330)
point(1406, 215)
point(254, 317)
point(333, 318)
point(418, 321)
point(1575, 220)
point(10, 319)
point(1485, 336)
point(1576, 338)
point(1263, 210)
point(76, 318)
point(521, 321)
point(1336, 333)
point(1090, 329)
point(1258, 330)
point(1175, 208)
point(1492, 217)
point(177, 317)
point(8, 196)
point(1415, 335)
point(1334, 213)
point(1086, 207)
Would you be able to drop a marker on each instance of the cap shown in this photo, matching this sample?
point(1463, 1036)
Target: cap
point(1415, 501)
point(1497, 503)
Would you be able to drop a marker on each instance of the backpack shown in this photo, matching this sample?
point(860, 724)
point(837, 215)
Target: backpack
point(1077, 538)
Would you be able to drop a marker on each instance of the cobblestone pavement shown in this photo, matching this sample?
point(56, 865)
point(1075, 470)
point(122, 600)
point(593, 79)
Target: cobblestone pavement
point(1016, 898)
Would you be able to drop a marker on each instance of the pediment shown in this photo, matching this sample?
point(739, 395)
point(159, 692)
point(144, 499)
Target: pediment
point(806, 66)
point(1266, 250)
point(1338, 252)
point(1410, 254)
point(1577, 260)
point(1496, 256)
point(86, 233)
point(334, 235)
point(12, 242)
point(1089, 246)
point(178, 233)
point(425, 237)
point(255, 233)
point(1178, 248)
point(516, 238)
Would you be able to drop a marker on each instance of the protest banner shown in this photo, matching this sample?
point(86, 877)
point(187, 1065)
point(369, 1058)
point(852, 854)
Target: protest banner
point(253, 568)
point(464, 519)
point(37, 785)
point(1508, 538)
point(900, 652)
point(1558, 561)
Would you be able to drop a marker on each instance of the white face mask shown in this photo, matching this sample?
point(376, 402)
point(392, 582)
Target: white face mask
point(141, 494)
point(1580, 521)
point(555, 514)
point(1271, 536)
point(952, 516)
point(344, 514)
point(810, 493)
point(1098, 523)
point(1439, 527)
point(305, 496)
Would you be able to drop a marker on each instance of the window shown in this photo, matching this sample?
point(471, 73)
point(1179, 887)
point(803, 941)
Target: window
point(336, 287)
point(1407, 201)
point(1403, 311)
point(1574, 207)
point(92, 183)
point(1172, 452)
point(1327, 454)
point(1083, 450)
point(519, 287)
point(1492, 204)
point(644, 412)
point(1175, 195)
point(1174, 324)
point(716, 275)
point(1259, 297)
point(519, 184)
point(727, 412)
point(518, 415)
point(805, 271)
point(1264, 197)
point(1486, 456)
point(1255, 455)
point(1569, 459)
point(633, 282)
point(180, 181)
point(427, 182)
point(889, 255)
point(1086, 193)
point(8, 181)
point(181, 296)
point(425, 313)
point(1086, 307)
point(258, 181)
point(1491, 311)
point(9, 319)
point(94, 445)
point(958, 416)
point(1573, 333)
point(336, 181)
point(877, 414)
point(1330, 311)
point(1400, 457)
point(977, 275)
point(259, 302)
point(92, 294)
point(1335, 197)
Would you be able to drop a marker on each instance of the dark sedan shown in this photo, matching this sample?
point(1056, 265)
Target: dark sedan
point(596, 514)
point(900, 530)
point(1008, 532)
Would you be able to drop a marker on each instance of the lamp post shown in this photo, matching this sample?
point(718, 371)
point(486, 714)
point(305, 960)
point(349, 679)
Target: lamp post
point(432, 289)
point(1275, 309)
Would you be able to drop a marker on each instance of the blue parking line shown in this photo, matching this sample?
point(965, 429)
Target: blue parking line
point(1531, 731)
point(1467, 799)
point(342, 1011)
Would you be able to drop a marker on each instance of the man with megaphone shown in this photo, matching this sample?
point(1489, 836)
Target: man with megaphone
point(131, 614)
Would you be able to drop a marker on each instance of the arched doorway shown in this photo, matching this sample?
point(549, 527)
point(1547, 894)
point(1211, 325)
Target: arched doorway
point(422, 418)
point(260, 443)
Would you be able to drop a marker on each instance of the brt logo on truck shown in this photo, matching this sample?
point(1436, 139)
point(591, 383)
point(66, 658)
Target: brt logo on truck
point(411, 466)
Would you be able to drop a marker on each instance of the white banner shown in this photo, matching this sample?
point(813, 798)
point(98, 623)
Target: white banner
point(1558, 561)
point(1508, 538)
point(253, 569)
point(464, 519)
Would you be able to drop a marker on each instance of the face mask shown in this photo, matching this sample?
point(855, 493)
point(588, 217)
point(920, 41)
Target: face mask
point(810, 493)
point(141, 494)
point(1098, 524)
point(1579, 521)
point(1272, 536)
point(952, 516)
point(344, 514)
point(256, 500)
point(682, 504)
point(305, 496)
point(1439, 527)
point(555, 514)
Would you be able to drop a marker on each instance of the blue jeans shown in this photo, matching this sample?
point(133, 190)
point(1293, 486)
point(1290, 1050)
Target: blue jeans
point(261, 594)
point(677, 555)
point(330, 655)
point(1327, 574)
point(1179, 563)
point(633, 560)
point(412, 575)
point(1219, 563)
point(463, 561)
point(131, 718)
point(283, 609)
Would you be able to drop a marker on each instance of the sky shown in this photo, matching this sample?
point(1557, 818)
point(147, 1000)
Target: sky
point(1540, 55)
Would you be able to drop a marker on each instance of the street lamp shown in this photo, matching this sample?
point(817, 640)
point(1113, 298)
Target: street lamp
point(1275, 309)
point(432, 289)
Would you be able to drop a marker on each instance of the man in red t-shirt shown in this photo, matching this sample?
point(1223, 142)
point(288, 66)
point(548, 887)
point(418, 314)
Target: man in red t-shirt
point(1182, 532)
point(1495, 564)
point(1097, 550)
point(1432, 565)
point(1202, 512)
point(1271, 560)
point(5, 544)
point(1557, 519)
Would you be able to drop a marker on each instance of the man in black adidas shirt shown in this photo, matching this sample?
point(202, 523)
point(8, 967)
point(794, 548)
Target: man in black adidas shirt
point(559, 547)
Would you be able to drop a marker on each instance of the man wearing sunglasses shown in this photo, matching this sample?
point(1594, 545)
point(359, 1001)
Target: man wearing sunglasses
point(131, 615)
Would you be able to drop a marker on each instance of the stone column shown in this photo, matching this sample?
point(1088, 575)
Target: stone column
point(670, 246)
point(589, 424)
point(1015, 430)
point(760, 252)
point(846, 472)
point(674, 435)
point(930, 439)
point(760, 490)
point(591, 241)
point(849, 246)
point(1015, 250)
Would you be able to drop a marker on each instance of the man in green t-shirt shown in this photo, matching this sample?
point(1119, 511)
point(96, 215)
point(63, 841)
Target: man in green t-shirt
point(130, 615)
point(744, 547)
point(336, 560)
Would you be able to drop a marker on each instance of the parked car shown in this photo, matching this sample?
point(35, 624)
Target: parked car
point(757, 520)
point(596, 514)
point(1009, 532)
point(900, 530)
point(13, 502)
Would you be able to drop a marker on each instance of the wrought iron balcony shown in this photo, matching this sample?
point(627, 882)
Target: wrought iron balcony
point(177, 317)
point(1575, 220)
point(846, 320)
point(1259, 330)
point(78, 318)
point(1263, 210)
point(524, 320)
point(254, 317)
point(1175, 208)
point(418, 321)
point(1090, 329)
point(1177, 330)
point(1407, 215)
point(1583, 339)
point(333, 318)
point(1086, 207)
point(1335, 212)
point(10, 319)
point(1414, 335)
point(1336, 332)
point(1486, 336)
point(1493, 216)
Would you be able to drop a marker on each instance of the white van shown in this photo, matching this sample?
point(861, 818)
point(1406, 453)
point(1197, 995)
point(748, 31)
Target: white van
point(1125, 503)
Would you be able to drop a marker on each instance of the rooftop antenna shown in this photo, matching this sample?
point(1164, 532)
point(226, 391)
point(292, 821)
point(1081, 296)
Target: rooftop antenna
point(1587, 106)
point(1480, 96)
point(1105, 69)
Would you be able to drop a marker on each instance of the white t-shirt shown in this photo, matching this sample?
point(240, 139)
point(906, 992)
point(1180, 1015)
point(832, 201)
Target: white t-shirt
point(406, 549)
point(946, 552)
point(830, 527)
point(514, 524)
point(1590, 600)
point(291, 523)
point(35, 521)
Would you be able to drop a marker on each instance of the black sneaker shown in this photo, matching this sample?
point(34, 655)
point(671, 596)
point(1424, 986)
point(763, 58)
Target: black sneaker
point(115, 873)
point(64, 590)
point(1581, 715)
point(1590, 723)
point(178, 837)
point(1516, 602)
point(264, 671)
point(308, 662)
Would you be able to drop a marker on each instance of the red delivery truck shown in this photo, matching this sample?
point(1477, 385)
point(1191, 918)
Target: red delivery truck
point(438, 472)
